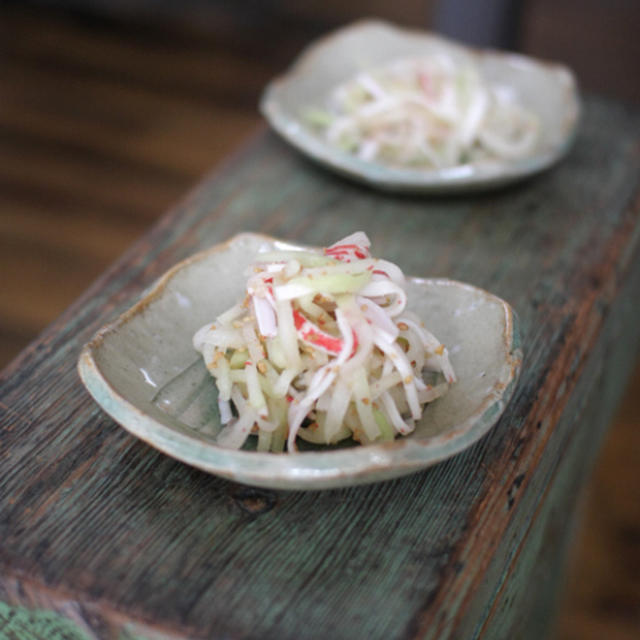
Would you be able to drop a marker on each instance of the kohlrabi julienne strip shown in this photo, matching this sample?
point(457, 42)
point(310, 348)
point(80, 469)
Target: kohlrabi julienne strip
point(430, 112)
point(322, 348)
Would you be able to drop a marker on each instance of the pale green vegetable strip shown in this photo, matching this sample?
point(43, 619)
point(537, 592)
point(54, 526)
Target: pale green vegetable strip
point(221, 371)
point(383, 424)
point(256, 399)
point(238, 358)
point(275, 353)
point(264, 440)
point(284, 381)
point(313, 311)
point(287, 334)
point(238, 376)
point(340, 283)
point(335, 415)
point(362, 397)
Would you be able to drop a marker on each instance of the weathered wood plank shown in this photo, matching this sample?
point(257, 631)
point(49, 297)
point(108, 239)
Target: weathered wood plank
point(89, 514)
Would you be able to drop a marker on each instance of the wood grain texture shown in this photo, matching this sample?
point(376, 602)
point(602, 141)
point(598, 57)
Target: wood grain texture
point(91, 516)
point(101, 130)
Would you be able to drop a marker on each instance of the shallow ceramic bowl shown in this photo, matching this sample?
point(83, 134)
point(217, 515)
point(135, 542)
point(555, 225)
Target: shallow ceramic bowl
point(143, 371)
point(548, 90)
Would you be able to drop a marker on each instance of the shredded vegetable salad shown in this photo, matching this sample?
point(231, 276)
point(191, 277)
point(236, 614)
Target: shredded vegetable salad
point(323, 348)
point(430, 112)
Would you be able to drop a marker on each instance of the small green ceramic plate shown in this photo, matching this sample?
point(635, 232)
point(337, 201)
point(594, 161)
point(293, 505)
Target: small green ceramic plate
point(143, 371)
point(548, 90)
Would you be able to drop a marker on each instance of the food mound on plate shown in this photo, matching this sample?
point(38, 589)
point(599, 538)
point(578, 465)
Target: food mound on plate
point(323, 348)
point(431, 112)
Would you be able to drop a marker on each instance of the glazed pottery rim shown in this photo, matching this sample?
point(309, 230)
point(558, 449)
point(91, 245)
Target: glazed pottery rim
point(307, 469)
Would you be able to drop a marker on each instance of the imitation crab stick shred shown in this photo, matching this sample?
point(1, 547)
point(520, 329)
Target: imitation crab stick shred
point(322, 348)
point(308, 332)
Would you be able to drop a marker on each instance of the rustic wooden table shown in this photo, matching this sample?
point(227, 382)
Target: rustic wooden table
point(101, 536)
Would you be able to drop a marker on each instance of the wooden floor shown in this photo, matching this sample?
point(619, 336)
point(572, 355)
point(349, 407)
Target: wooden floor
point(104, 123)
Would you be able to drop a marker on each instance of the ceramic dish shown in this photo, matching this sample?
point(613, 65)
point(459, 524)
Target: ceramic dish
point(547, 90)
point(143, 371)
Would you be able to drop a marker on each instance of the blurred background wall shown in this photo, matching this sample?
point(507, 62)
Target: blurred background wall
point(111, 110)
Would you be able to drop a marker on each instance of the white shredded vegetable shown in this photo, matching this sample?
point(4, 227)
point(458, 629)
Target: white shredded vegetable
point(322, 348)
point(430, 112)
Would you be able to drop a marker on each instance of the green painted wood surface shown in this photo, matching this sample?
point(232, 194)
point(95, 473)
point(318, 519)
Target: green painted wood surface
point(94, 520)
point(19, 623)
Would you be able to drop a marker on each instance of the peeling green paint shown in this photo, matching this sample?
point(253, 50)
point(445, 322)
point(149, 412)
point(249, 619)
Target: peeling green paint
point(19, 623)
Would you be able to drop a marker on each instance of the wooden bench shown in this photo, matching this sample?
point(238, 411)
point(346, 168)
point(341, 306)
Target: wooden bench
point(103, 536)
